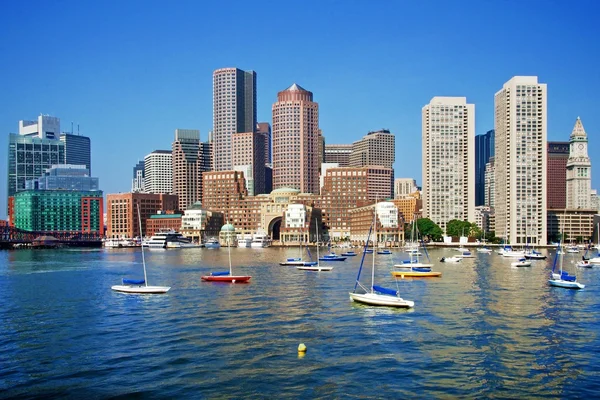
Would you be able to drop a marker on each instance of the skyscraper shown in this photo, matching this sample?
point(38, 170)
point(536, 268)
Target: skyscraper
point(295, 140)
point(264, 129)
point(36, 148)
point(520, 160)
point(484, 149)
point(376, 148)
point(158, 172)
point(187, 167)
point(558, 155)
point(77, 150)
point(234, 110)
point(448, 160)
point(137, 183)
point(579, 170)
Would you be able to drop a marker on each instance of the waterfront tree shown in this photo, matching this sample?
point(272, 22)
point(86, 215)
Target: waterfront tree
point(429, 230)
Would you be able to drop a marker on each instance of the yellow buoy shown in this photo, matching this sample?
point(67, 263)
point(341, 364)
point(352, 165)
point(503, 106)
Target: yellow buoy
point(301, 348)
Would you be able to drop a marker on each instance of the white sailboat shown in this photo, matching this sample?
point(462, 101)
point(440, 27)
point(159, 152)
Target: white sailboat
point(140, 286)
point(317, 265)
point(376, 295)
point(562, 278)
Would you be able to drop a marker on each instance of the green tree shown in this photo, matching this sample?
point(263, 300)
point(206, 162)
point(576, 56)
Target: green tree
point(456, 227)
point(429, 230)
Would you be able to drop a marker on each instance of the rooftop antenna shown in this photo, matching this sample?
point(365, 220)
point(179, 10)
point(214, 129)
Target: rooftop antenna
point(71, 127)
point(77, 129)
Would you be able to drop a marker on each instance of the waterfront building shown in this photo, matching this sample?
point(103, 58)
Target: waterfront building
point(577, 225)
point(122, 211)
point(483, 218)
point(484, 150)
point(594, 201)
point(34, 149)
point(78, 150)
point(77, 211)
point(558, 155)
point(404, 187)
point(199, 224)
point(347, 188)
point(264, 129)
point(448, 134)
point(389, 230)
point(520, 160)
point(248, 157)
point(409, 207)
point(268, 178)
point(490, 186)
point(579, 170)
point(223, 191)
point(300, 224)
point(137, 183)
point(234, 110)
point(64, 177)
point(295, 140)
point(158, 172)
point(187, 167)
point(338, 153)
point(162, 222)
point(321, 141)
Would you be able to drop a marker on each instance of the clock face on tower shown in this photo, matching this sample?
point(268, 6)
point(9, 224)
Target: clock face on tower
point(580, 146)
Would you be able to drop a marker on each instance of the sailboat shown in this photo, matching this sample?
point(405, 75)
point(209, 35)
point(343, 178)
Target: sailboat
point(140, 286)
point(414, 267)
point(226, 276)
point(297, 261)
point(316, 266)
point(562, 278)
point(376, 295)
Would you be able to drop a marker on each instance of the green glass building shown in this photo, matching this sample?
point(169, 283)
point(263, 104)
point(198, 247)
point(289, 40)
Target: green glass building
point(59, 211)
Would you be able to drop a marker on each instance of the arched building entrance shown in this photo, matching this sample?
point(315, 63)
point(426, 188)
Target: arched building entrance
point(275, 228)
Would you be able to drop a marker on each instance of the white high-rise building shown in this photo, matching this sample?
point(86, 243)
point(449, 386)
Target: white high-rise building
point(579, 170)
point(234, 110)
point(404, 186)
point(448, 160)
point(158, 172)
point(520, 161)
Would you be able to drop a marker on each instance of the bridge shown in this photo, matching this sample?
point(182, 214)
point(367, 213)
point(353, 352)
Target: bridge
point(11, 237)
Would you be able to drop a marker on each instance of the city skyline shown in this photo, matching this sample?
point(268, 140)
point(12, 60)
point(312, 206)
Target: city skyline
point(129, 88)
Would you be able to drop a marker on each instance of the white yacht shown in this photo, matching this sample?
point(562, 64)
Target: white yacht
point(168, 239)
point(244, 240)
point(259, 240)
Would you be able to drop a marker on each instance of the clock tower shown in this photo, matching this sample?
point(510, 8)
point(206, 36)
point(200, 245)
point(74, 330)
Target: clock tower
point(579, 178)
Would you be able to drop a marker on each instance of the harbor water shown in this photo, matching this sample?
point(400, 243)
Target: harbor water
point(483, 330)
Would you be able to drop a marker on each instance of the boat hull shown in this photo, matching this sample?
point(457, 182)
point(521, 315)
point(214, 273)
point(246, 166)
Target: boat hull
point(314, 268)
point(413, 274)
point(226, 278)
point(374, 299)
point(133, 289)
point(298, 263)
point(565, 284)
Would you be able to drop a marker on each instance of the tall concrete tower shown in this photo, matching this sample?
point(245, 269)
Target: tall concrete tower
point(520, 160)
point(234, 110)
point(448, 134)
point(296, 140)
point(579, 170)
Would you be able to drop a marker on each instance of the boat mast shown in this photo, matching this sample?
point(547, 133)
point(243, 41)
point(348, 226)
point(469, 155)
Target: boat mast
point(141, 236)
point(229, 253)
point(374, 246)
point(317, 238)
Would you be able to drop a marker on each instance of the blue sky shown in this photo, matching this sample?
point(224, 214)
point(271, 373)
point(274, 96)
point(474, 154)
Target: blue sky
point(130, 72)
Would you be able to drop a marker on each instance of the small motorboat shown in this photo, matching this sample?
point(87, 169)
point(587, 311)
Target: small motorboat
point(385, 251)
point(521, 262)
point(332, 257)
point(452, 259)
point(349, 254)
